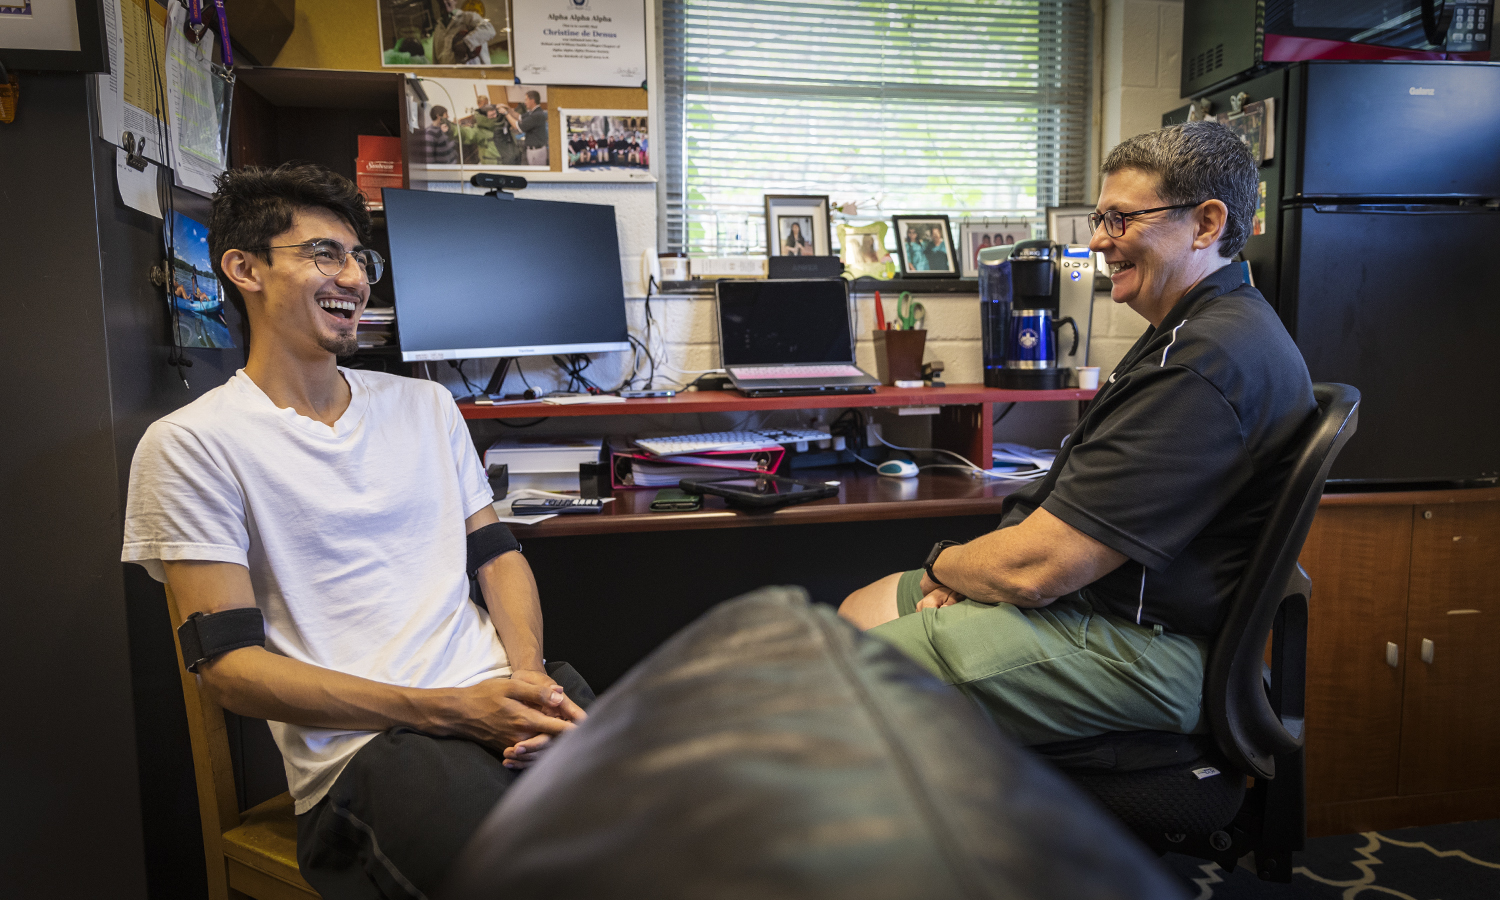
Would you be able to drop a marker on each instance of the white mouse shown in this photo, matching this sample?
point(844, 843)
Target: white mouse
point(898, 468)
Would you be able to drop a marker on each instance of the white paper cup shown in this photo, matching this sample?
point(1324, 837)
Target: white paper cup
point(1088, 378)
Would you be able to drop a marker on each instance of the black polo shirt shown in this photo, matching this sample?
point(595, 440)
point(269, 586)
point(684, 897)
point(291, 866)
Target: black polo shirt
point(1179, 458)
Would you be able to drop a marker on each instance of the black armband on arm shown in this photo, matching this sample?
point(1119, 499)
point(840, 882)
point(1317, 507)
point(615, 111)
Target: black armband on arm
point(487, 543)
point(204, 637)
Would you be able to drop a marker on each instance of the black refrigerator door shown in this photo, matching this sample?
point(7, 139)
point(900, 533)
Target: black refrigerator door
point(1404, 306)
point(1396, 129)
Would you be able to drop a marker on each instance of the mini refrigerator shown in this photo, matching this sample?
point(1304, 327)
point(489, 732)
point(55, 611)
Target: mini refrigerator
point(1381, 252)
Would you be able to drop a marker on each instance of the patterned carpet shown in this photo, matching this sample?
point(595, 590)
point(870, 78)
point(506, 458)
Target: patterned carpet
point(1440, 862)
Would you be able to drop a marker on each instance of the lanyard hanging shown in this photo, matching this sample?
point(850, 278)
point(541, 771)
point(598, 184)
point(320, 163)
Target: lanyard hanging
point(195, 22)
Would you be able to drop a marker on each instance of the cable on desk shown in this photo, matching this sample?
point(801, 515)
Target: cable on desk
point(1001, 476)
point(1006, 413)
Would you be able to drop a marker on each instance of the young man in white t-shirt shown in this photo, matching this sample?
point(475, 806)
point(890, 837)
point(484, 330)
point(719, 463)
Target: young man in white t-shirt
point(338, 510)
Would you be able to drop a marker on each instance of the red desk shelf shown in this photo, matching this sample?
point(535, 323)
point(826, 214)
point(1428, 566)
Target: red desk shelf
point(964, 425)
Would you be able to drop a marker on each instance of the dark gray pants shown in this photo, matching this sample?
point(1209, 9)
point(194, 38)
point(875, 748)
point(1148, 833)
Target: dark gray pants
point(400, 812)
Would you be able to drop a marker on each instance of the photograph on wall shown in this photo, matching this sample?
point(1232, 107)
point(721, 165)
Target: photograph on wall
point(15, 7)
point(862, 250)
point(606, 140)
point(975, 235)
point(797, 226)
point(925, 244)
point(473, 124)
point(442, 32)
point(197, 301)
point(593, 42)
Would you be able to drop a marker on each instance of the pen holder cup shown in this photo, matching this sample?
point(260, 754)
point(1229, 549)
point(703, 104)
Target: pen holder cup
point(898, 355)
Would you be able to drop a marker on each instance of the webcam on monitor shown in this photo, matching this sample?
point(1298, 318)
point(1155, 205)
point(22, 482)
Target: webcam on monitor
point(498, 184)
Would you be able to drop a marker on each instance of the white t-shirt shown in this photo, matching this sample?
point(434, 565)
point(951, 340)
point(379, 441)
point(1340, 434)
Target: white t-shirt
point(353, 535)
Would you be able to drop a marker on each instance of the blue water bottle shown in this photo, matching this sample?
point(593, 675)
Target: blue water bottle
point(994, 314)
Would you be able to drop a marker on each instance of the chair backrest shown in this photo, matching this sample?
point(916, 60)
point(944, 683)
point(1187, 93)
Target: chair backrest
point(213, 768)
point(1245, 725)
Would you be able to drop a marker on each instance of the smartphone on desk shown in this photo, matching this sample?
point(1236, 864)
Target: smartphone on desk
point(675, 500)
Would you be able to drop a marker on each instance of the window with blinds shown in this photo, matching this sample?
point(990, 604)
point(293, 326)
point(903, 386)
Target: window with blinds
point(964, 107)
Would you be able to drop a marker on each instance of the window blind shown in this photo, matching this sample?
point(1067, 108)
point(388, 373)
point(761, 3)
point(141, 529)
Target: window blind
point(963, 107)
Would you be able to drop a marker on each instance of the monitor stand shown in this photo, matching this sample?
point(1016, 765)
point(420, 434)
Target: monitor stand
point(497, 380)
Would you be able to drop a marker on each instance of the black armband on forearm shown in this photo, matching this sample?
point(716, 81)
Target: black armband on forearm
point(488, 543)
point(204, 637)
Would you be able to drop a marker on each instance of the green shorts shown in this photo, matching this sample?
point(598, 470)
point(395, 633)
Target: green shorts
point(1066, 670)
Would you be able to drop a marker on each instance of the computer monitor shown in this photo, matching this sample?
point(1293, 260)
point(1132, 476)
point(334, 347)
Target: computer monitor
point(486, 276)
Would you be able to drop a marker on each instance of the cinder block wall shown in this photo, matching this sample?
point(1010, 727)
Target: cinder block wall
point(1142, 66)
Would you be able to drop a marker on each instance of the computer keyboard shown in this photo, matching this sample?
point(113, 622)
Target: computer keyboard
point(682, 444)
point(756, 373)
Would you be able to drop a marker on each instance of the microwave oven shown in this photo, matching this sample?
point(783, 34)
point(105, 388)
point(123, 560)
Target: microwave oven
point(1226, 41)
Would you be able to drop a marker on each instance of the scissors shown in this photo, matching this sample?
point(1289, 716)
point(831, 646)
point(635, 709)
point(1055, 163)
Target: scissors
point(912, 315)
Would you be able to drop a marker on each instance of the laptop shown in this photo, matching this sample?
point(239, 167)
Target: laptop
point(789, 338)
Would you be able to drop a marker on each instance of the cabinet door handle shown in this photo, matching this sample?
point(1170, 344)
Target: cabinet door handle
point(1392, 655)
point(1427, 648)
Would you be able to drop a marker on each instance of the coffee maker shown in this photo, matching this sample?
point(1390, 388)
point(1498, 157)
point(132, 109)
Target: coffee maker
point(1048, 286)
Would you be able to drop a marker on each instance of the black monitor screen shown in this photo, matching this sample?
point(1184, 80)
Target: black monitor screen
point(482, 276)
point(770, 322)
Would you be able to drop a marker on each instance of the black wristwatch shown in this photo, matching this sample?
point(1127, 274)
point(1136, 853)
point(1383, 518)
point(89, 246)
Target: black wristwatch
point(932, 557)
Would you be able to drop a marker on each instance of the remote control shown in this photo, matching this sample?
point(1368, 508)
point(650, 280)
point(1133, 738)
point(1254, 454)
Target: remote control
point(544, 505)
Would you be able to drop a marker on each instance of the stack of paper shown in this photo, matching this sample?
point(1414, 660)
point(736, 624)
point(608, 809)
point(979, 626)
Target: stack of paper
point(671, 469)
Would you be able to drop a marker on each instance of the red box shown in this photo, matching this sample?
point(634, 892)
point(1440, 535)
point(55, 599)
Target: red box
point(379, 155)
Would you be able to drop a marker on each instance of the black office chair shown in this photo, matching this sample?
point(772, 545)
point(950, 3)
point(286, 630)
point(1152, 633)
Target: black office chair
point(1187, 793)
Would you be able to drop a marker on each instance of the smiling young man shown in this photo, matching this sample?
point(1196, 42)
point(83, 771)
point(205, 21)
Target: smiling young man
point(318, 526)
point(1091, 608)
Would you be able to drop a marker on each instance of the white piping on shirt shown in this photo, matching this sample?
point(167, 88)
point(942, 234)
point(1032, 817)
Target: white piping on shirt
point(1141, 606)
point(1173, 341)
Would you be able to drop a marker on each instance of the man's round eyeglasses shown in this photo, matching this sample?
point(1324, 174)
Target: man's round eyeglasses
point(330, 257)
point(1114, 220)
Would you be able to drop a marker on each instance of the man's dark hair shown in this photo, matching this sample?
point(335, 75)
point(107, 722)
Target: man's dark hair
point(438, 112)
point(535, 96)
point(254, 204)
point(1192, 163)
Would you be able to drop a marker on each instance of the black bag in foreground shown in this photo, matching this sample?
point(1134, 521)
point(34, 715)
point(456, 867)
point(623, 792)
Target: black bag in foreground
point(770, 750)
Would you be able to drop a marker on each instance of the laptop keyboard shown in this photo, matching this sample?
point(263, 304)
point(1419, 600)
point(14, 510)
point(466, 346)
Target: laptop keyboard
point(757, 373)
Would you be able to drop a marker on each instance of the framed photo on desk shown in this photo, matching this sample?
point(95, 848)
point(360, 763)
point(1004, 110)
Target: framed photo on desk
point(797, 226)
point(925, 244)
point(52, 36)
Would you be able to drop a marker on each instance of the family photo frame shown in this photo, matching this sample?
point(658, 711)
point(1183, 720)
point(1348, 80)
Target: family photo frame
point(975, 235)
point(797, 226)
point(925, 246)
point(862, 250)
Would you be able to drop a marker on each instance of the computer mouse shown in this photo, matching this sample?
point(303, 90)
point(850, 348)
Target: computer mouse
point(898, 468)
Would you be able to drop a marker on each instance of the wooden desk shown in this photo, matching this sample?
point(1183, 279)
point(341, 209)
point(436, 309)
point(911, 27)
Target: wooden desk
point(964, 425)
point(617, 584)
point(863, 497)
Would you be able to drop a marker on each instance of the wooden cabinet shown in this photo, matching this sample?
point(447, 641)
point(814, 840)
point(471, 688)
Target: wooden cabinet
point(1397, 735)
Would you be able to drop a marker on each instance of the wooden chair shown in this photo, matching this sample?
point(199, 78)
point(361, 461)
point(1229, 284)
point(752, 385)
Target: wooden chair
point(251, 853)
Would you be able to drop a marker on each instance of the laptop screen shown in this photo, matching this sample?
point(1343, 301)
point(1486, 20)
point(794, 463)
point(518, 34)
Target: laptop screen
point(776, 322)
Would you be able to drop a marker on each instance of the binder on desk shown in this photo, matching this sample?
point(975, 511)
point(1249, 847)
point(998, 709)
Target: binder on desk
point(631, 468)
